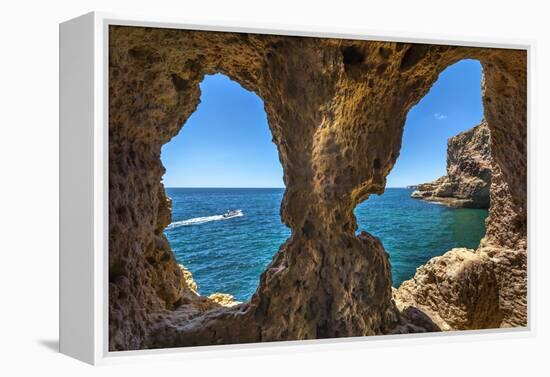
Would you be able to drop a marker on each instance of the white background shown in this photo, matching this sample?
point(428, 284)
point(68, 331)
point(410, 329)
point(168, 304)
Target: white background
point(29, 187)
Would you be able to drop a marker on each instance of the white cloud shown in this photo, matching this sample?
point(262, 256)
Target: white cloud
point(440, 116)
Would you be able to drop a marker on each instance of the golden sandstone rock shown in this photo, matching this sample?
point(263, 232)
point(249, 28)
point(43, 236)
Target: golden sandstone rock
point(336, 109)
point(458, 290)
point(468, 180)
point(188, 277)
point(223, 299)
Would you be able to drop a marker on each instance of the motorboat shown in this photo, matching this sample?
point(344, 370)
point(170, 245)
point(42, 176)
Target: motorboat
point(232, 213)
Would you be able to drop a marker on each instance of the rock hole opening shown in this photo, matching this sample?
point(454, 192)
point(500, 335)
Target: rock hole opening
point(445, 156)
point(352, 56)
point(224, 178)
point(413, 55)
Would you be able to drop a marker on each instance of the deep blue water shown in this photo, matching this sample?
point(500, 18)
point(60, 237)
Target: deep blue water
point(228, 255)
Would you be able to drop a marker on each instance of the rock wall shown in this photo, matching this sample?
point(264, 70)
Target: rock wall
point(468, 180)
point(463, 296)
point(468, 289)
point(336, 110)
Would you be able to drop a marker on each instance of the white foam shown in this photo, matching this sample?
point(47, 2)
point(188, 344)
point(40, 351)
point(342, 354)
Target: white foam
point(200, 220)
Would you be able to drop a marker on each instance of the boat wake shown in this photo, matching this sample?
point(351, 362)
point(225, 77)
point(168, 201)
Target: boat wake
point(202, 220)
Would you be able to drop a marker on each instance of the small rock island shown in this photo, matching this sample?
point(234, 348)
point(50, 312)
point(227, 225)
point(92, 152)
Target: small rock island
point(468, 180)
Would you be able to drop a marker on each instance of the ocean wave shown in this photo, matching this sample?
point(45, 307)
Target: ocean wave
point(200, 220)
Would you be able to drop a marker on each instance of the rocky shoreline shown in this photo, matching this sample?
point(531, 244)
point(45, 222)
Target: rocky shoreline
point(468, 180)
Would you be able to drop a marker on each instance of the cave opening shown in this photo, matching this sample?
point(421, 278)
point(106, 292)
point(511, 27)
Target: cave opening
point(325, 281)
point(225, 181)
point(422, 214)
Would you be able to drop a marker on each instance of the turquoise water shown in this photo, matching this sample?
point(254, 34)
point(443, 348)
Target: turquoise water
point(413, 231)
point(228, 255)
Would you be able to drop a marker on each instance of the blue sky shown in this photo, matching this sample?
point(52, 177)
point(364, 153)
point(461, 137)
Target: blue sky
point(227, 142)
point(452, 105)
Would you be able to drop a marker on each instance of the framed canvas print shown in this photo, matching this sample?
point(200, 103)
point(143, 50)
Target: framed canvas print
point(225, 187)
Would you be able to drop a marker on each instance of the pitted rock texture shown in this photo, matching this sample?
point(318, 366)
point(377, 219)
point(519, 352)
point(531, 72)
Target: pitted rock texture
point(458, 290)
point(336, 109)
point(468, 178)
point(470, 289)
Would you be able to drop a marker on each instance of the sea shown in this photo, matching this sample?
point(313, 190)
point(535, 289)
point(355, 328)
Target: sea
point(229, 254)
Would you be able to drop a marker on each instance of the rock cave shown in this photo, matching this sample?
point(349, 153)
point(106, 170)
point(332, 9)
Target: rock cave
point(336, 109)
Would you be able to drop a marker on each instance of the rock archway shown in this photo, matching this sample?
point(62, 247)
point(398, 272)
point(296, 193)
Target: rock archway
point(336, 110)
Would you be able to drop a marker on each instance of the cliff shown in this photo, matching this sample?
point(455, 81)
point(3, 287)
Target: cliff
point(336, 110)
point(468, 178)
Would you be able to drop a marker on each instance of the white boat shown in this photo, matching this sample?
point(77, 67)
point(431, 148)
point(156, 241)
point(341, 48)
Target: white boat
point(233, 213)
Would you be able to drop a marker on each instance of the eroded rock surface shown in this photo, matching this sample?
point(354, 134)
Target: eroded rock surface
point(469, 289)
point(336, 110)
point(468, 178)
point(458, 290)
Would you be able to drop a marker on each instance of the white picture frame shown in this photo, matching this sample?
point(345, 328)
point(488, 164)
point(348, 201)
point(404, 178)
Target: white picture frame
point(84, 191)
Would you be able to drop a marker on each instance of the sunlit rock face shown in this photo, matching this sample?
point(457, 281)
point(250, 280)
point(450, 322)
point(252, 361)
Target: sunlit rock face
point(468, 180)
point(458, 290)
point(336, 110)
point(468, 289)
